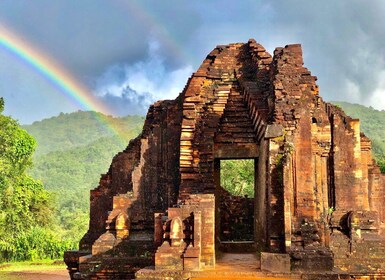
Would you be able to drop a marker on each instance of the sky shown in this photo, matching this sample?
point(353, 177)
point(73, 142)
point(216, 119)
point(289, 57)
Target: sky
point(127, 54)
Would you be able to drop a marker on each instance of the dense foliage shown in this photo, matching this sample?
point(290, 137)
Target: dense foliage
point(73, 150)
point(68, 131)
point(372, 124)
point(43, 218)
point(237, 176)
point(70, 174)
point(25, 206)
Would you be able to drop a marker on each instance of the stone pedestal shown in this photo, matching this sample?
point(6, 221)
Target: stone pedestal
point(169, 257)
point(276, 263)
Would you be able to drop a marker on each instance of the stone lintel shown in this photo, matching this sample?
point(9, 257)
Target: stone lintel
point(228, 151)
point(274, 130)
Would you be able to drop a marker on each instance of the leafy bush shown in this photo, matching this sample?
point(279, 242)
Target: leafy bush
point(33, 244)
point(25, 206)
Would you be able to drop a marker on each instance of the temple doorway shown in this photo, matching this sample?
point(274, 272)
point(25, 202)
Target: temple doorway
point(235, 188)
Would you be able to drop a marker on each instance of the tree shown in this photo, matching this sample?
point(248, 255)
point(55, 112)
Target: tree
point(237, 176)
point(25, 205)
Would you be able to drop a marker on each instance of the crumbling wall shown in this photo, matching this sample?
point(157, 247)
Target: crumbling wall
point(147, 169)
point(377, 193)
point(321, 168)
point(350, 190)
point(298, 164)
point(299, 111)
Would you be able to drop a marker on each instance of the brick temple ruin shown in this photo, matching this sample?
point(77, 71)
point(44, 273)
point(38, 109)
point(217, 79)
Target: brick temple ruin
point(319, 198)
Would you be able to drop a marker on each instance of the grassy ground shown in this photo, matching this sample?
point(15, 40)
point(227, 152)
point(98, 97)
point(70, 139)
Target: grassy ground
point(47, 269)
point(43, 265)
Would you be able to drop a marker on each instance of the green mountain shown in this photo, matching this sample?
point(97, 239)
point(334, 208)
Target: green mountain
point(73, 150)
point(372, 124)
point(67, 131)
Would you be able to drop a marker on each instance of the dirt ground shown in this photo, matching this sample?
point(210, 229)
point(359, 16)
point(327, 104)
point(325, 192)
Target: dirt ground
point(44, 275)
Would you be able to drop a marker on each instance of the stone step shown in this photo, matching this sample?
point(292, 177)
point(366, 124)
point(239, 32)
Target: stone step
point(235, 105)
point(229, 133)
point(238, 99)
point(242, 124)
point(149, 273)
point(223, 139)
point(243, 277)
point(234, 129)
point(235, 109)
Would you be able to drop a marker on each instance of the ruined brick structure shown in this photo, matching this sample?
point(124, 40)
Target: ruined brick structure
point(319, 195)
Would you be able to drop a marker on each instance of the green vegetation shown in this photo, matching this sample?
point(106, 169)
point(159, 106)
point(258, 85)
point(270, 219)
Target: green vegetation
point(69, 175)
point(372, 124)
point(74, 149)
point(45, 206)
point(26, 230)
point(68, 131)
point(41, 265)
point(237, 176)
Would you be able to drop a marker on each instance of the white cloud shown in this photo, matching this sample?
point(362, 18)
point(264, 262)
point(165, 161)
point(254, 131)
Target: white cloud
point(141, 83)
point(353, 91)
point(377, 99)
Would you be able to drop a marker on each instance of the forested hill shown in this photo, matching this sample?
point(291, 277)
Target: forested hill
point(68, 131)
point(73, 150)
point(372, 124)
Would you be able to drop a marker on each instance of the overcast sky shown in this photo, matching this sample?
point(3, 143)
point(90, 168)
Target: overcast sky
point(132, 53)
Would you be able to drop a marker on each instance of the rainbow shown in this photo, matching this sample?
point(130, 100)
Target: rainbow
point(50, 70)
point(56, 75)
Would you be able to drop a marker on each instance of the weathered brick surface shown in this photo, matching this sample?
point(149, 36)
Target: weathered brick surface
point(319, 195)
